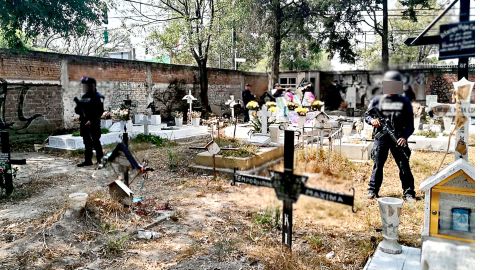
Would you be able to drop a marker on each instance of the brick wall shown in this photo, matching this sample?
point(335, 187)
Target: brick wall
point(54, 82)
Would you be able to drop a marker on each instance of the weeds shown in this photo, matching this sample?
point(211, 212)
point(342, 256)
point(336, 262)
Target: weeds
point(172, 159)
point(115, 246)
point(427, 133)
point(224, 247)
point(155, 140)
point(269, 218)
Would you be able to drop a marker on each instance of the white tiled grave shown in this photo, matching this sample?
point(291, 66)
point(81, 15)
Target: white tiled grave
point(69, 142)
point(409, 259)
point(438, 144)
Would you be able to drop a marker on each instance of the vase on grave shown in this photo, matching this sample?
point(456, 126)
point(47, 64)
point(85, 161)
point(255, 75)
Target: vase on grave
point(416, 123)
point(178, 121)
point(390, 209)
point(106, 123)
point(301, 121)
point(196, 122)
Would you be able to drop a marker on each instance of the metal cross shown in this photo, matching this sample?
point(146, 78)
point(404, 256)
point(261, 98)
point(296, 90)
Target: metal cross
point(289, 186)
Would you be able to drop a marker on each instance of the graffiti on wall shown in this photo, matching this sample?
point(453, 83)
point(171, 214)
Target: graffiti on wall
point(25, 121)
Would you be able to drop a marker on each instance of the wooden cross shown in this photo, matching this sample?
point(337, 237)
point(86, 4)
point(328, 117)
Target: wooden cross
point(289, 186)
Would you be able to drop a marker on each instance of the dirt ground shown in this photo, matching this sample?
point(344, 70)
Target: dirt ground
point(212, 224)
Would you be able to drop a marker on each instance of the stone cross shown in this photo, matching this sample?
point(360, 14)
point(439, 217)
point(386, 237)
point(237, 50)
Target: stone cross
point(189, 98)
point(231, 102)
point(264, 119)
point(289, 186)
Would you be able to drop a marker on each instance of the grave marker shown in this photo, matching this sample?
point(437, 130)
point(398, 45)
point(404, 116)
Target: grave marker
point(189, 98)
point(289, 186)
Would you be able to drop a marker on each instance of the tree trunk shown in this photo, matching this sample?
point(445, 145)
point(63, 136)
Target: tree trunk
point(385, 36)
point(202, 67)
point(277, 45)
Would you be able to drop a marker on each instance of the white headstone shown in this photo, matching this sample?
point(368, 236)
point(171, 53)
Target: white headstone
point(431, 100)
point(264, 119)
point(351, 97)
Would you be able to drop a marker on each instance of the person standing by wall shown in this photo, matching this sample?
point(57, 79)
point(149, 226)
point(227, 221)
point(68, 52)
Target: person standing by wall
point(247, 96)
point(395, 107)
point(90, 109)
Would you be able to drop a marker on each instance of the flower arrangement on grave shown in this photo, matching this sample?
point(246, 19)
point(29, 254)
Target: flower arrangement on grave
point(271, 104)
point(317, 105)
point(272, 109)
point(292, 106)
point(195, 114)
point(107, 115)
point(121, 114)
point(177, 114)
point(301, 111)
point(253, 106)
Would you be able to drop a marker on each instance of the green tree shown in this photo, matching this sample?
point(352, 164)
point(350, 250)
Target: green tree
point(401, 29)
point(32, 18)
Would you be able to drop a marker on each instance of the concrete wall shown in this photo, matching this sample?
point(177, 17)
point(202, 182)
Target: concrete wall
point(424, 81)
point(53, 81)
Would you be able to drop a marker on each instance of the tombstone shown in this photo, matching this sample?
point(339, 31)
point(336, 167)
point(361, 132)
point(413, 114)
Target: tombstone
point(431, 100)
point(289, 186)
point(263, 137)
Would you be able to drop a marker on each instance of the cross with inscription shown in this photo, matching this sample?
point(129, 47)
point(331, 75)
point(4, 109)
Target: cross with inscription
point(289, 186)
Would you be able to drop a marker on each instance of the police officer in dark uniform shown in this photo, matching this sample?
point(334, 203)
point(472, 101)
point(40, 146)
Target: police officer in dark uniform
point(90, 109)
point(398, 109)
point(247, 96)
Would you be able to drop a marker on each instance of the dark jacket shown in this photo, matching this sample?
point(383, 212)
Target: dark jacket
point(90, 108)
point(247, 96)
point(398, 109)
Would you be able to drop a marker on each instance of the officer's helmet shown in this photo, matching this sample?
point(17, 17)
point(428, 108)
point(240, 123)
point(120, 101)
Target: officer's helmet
point(392, 82)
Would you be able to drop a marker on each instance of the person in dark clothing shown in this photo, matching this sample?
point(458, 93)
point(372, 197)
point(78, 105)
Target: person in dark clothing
point(247, 96)
point(398, 109)
point(408, 93)
point(90, 109)
point(266, 97)
point(333, 98)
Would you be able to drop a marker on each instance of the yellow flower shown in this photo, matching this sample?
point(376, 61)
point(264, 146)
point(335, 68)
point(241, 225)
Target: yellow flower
point(301, 111)
point(271, 104)
point(252, 105)
point(272, 109)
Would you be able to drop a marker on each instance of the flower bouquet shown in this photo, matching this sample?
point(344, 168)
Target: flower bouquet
point(317, 105)
point(178, 118)
point(301, 111)
point(253, 106)
point(271, 104)
point(121, 114)
point(195, 118)
point(292, 106)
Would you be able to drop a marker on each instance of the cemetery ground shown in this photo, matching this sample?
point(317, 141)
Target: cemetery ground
point(211, 224)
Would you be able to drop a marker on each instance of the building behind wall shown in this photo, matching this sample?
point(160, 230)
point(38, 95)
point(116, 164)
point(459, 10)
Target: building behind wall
point(423, 81)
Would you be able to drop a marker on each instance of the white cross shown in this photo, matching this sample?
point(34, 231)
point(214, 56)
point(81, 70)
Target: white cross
point(231, 102)
point(189, 98)
point(264, 119)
